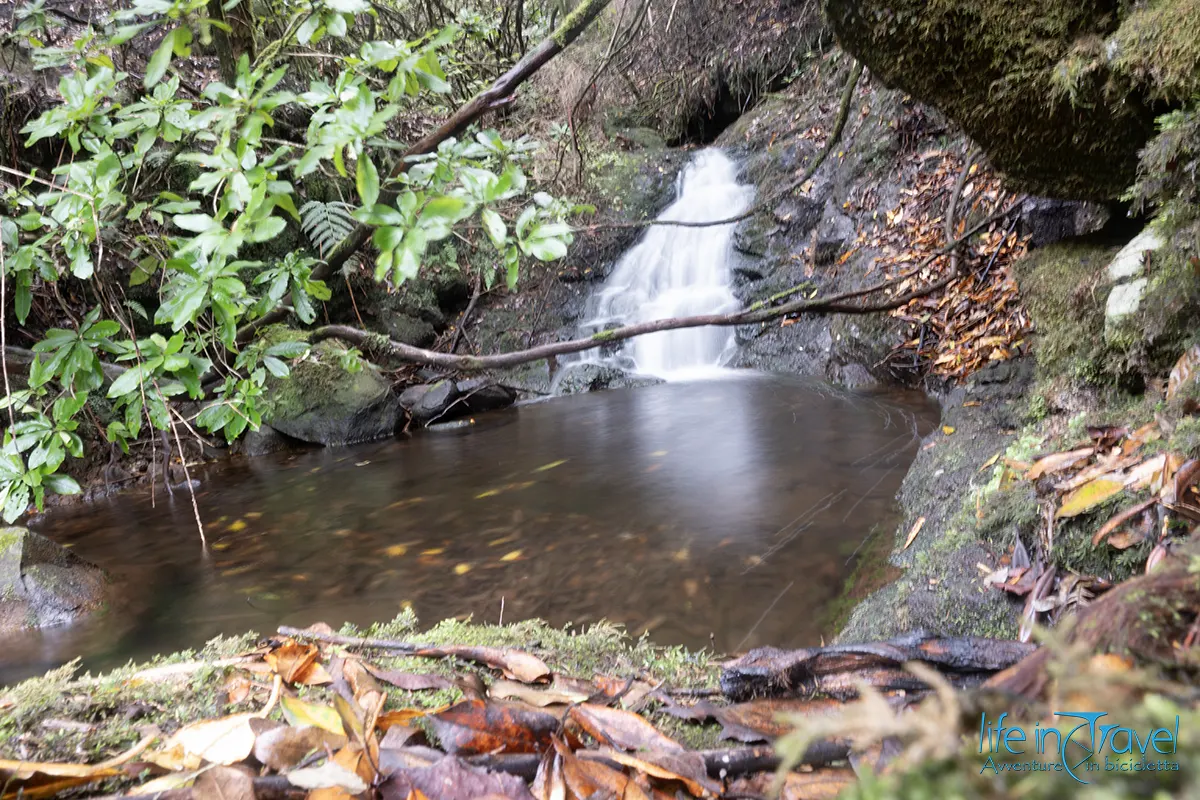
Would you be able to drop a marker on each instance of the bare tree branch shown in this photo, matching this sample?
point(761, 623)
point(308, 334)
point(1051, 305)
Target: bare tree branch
point(842, 303)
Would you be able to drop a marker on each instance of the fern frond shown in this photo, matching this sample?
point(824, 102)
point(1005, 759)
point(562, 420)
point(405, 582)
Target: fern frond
point(326, 224)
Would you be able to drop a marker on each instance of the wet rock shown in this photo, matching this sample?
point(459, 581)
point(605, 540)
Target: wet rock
point(1129, 262)
point(264, 441)
point(446, 400)
point(833, 234)
point(43, 584)
point(580, 378)
point(481, 394)
point(1046, 221)
point(410, 330)
point(323, 402)
point(1079, 143)
point(429, 402)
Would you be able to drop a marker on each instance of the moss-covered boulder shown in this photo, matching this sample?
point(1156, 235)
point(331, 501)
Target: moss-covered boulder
point(43, 584)
point(1060, 95)
point(332, 398)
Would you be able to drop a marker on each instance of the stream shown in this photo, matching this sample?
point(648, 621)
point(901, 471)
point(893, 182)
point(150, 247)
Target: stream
point(721, 513)
point(721, 509)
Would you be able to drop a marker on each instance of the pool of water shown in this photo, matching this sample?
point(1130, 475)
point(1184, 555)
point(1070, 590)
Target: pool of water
point(724, 513)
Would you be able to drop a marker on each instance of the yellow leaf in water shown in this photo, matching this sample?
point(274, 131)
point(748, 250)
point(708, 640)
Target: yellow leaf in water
point(658, 454)
point(433, 551)
point(298, 712)
point(462, 569)
point(513, 556)
point(912, 534)
point(503, 540)
point(488, 493)
point(237, 525)
point(681, 555)
point(343, 532)
point(396, 550)
point(253, 515)
point(1090, 495)
point(551, 465)
point(218, 546)
point(946, 429)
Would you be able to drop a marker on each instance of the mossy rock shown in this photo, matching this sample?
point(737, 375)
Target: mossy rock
point(42, 584)
point(323, 402)
point(1029, 81)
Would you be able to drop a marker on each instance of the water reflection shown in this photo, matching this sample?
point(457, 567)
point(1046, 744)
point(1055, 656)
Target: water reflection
point(720, 513)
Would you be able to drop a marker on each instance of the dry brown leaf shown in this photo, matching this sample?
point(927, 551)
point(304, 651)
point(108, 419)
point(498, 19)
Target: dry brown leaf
point(562, 694)
point(587, 778)
point(1182, 372)
point(226, 740)
point(621, 729)
point(450, 779)
point(515, 664)
point(292, 660)
point(474, 726)
point(408, 681)
point(912, 534)
point(223, 783)
point(1120, 519)
point(686, 768)
point(330, 775)
point(1057, 462)
point(284, 747)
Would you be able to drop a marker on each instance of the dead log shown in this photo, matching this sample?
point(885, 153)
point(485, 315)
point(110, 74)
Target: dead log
point(834, 670)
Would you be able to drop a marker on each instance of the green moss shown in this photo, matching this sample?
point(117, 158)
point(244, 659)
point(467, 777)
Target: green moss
point(1158, 46)
point(991, 65)
point(1061, 287)
point(1185, 439)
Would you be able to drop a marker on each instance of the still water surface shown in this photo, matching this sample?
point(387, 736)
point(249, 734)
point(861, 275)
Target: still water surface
point(722, 513)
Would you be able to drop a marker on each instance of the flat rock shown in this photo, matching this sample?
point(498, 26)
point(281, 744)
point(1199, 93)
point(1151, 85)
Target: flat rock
point(43, 584)
point(1128, 262)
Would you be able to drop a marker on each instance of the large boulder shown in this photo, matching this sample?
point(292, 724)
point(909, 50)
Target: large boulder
point(592, 377)
point(324, 402)
point(43, 584)
point(1061, 96)
point(445, 400)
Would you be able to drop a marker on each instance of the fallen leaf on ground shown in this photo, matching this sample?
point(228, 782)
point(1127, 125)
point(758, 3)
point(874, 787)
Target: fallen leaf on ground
point(223, 783)
point(226, 740)
point(912, 534)
point(297, 663)
point(1090, 495)
point(556, 694)
point(285, 747)
point(475, 726)
point(516, 664)
point(587, 778)
point(330, 775)
point(682, 767)
point(299, 712)
point(408, 681)
point(819, 784)
point(621, 729)
point(451, 779)
point(1057, 462)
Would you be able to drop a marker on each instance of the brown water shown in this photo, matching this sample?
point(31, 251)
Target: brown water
point(722, 513)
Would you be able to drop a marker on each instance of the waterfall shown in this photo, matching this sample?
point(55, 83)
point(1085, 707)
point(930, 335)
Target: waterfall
point(679, 271)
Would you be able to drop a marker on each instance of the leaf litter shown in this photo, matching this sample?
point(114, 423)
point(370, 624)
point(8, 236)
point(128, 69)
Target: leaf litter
point(538, 735)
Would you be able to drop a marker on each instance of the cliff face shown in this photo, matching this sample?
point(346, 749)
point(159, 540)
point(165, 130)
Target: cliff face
point(1061, 96)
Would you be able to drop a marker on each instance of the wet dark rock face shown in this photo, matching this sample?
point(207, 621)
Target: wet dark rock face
point(43, 584)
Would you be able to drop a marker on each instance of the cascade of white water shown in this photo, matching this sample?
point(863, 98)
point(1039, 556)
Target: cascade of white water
point(679, 271)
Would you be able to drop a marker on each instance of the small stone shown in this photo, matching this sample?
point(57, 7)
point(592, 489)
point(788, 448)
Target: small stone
point(1124, 299)
point(43, 584)
point(1128, 262)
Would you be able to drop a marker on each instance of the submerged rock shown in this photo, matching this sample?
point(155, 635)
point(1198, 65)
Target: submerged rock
point(43, 584)
point(446, 400)
point(580, 378)
point(323, 402)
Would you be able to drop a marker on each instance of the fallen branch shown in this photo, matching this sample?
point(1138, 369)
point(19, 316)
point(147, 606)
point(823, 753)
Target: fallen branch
point(491, 98)
point(834, 304)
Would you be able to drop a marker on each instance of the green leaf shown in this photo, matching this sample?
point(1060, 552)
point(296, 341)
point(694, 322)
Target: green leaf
point(157, 67)
point(276, 367)
point(366, 178)
point(61, 484)
point(196, 223)
point(497, 231)
point(126, 382)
